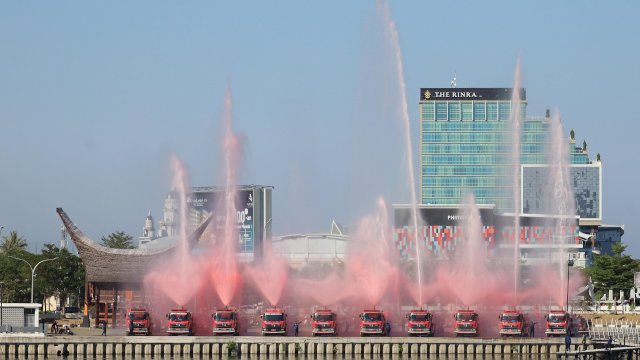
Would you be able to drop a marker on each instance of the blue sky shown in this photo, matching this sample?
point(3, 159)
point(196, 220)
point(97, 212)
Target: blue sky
point(96, 96)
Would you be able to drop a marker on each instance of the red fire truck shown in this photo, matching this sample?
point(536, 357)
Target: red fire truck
point(324, 323)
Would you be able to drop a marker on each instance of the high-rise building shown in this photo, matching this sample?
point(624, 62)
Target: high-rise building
point(466, 145)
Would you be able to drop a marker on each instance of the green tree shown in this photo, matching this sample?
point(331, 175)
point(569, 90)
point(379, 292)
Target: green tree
point(118, 240)
point(613, 271)
point(13, 242)
point(63, 277)
point(18, 280)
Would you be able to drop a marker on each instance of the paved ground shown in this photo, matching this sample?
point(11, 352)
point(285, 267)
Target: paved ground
point(92, 331)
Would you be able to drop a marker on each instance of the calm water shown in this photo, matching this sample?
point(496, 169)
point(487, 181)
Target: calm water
point(330, 357)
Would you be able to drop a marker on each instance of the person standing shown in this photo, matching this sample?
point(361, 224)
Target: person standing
point(295, 328)
point(532, 329)
point(104, 328)
point(567, 342)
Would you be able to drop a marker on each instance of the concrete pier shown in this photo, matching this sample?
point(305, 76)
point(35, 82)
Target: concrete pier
point(197, 346)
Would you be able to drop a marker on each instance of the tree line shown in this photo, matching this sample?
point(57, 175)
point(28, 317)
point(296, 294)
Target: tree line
point(63, 277)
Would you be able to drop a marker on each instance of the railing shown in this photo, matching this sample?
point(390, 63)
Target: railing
point(621, 332)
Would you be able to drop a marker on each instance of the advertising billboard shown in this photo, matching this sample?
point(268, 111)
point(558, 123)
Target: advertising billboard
point(203, 203)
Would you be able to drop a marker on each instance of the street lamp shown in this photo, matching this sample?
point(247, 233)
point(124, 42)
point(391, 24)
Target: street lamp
point(1, 287)
point(569, 264)
point(33, 270)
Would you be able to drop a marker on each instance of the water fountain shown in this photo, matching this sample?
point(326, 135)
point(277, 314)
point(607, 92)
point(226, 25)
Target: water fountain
point(406, 124)
point(561, 202)
point(515, 119)
point(225, 273)
point(371, 274)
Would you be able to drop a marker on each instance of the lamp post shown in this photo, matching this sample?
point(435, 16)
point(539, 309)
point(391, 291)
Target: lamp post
point(33, 270)
point(569, 264)
point(1, 287)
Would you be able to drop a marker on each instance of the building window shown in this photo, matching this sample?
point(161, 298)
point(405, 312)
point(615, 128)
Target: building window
point(467, 111)
point(504, 111)
point(428, 112)
point(479, 112)
point(454, 111)
point(492, 111)
point(441, 111)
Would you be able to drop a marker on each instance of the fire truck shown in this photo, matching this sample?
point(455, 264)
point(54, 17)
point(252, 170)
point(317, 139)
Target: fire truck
point(225, 322)
point(558, 323)
point(179, 322)
point(372, 322)
point(138, 322)
point(512, 323)
point(420, 323)
point(274, 322)
point(324, 323)
point(466, 323)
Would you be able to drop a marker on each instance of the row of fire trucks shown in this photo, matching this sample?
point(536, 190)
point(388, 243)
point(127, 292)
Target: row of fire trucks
point(373, 322)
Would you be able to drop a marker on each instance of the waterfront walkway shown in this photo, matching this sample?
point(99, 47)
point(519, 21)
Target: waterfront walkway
point(206, 346)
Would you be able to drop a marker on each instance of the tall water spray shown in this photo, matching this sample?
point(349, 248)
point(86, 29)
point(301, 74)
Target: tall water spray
point(180, 184)
point(395, 44)
point(224, 272)
point(516, 118)
point(182, 280)
point(560, 199)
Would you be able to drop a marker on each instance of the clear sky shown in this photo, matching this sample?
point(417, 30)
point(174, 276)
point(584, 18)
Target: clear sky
point(96, 96)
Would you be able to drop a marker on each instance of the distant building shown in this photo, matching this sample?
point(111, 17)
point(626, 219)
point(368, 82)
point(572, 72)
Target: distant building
point(168, 225)
point(465, 145)
point(606, 236)
point(442, 230)
point(148, 231)
point(302, 249)
point(252, 213)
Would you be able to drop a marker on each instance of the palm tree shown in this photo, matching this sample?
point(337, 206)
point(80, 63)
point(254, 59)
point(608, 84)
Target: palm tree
point(13, 242)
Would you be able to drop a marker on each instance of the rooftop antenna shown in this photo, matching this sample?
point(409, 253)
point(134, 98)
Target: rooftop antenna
point(454, 83)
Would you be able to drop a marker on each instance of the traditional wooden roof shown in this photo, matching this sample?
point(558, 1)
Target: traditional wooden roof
point(107, 265)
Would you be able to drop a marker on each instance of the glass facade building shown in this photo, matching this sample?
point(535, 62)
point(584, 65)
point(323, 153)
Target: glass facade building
point(466, 145)
point(586, 180)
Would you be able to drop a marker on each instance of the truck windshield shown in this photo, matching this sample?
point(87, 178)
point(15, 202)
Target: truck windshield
point(419, 317)
point(466, 316)
point(556, 317)
point(226, 315)
point(138, 316)
point(273, 317)
point(510, 317)
point(179, 317)
point(372, 317)
point(323, 317)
